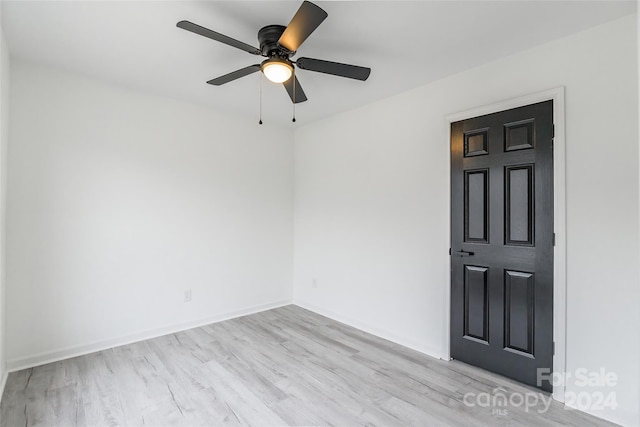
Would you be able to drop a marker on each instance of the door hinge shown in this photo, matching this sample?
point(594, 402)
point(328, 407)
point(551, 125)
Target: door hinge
point(553, 348)
point(554, 240)
point(449, 251)
point(553, 131)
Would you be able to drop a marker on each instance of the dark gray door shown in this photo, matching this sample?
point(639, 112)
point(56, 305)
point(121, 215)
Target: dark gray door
point(502, 242)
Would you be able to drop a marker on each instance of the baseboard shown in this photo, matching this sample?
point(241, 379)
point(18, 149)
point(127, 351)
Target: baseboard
point(373, 330)
point(3, 382)
point(80, 350)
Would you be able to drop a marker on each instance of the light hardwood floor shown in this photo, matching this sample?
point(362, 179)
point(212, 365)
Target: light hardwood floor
point(285, 366)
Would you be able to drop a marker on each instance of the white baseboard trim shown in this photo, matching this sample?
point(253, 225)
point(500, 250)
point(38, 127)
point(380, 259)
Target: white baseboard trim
point(3, 382)
point(92, 347)
point(373, 330)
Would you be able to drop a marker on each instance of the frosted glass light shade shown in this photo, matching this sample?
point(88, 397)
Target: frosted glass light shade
point(277, 71)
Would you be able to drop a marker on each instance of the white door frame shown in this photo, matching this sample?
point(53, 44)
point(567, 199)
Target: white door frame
point(559, 218)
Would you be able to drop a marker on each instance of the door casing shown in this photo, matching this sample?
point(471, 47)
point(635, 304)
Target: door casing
point(559, 219)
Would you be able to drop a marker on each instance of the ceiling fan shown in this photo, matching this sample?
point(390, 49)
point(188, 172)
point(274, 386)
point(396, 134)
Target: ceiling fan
point(278, 44)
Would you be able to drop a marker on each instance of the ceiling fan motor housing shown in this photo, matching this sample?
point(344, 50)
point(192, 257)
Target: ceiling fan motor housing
point(268, 37)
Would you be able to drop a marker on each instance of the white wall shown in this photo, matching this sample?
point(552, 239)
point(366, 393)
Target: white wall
point(119, 201)
point(4, 137)
point(371, 203)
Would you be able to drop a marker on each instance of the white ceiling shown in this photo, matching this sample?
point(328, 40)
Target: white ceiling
point(407, 44)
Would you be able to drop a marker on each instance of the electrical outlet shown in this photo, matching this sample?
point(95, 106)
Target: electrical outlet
point(187, 295)
point(314, 283)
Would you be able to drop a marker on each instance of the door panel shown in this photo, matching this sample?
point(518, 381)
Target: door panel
point(502, 242)
point(476, 191)
point(519, 213)
point(476, 302)
point(519, 308)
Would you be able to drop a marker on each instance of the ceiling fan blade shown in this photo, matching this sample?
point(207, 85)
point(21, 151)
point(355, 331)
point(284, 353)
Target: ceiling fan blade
point(299, 93)
point(202, 31)
point(335, 68)
point(234, 75)
point(304, 22)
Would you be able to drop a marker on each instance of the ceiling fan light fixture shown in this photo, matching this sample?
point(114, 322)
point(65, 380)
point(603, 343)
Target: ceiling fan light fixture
point(277, 70)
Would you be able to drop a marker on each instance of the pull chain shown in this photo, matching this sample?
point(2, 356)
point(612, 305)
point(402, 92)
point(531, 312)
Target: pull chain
point(294, 97)
point(260, 122)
